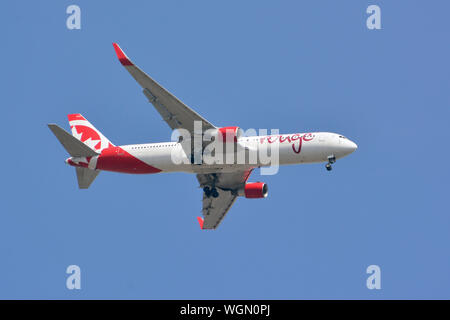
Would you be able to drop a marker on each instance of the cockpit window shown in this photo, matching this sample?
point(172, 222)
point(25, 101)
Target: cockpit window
point(342, 137)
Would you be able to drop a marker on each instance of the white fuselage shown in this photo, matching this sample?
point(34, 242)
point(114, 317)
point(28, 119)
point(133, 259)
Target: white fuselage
point(292, 149)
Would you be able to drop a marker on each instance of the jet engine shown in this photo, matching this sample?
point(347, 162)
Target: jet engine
point(229, 134)
point(254, 190)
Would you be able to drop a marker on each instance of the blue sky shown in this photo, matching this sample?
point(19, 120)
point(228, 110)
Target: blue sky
point(295, 66)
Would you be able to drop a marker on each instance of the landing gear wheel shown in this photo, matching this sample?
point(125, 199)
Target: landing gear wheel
point(214, 193)
point(331, 160)
point(207, 191)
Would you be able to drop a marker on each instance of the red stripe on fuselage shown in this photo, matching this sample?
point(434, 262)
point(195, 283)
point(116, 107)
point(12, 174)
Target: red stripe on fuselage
point(118, 160)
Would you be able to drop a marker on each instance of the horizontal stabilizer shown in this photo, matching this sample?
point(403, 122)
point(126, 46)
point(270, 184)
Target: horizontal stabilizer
point(85, 177)
point(73, 146)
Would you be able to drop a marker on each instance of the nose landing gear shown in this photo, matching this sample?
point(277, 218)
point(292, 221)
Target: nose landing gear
point(331, 160)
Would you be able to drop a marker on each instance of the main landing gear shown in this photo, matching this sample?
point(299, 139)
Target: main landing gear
point(331, 160)
point(210, 192)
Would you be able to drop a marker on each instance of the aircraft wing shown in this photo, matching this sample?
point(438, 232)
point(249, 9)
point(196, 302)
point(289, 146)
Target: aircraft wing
point(174, 112)
point(215, 209)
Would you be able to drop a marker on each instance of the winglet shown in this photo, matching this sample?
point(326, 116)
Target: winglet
point(122, 56)
point(200, 222)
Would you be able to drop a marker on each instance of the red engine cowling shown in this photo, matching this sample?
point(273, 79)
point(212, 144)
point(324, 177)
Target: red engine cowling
point(255, 190)
point(229, 134)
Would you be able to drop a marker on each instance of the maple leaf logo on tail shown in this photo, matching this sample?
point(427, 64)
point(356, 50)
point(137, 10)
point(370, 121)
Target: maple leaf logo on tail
point(84, 131)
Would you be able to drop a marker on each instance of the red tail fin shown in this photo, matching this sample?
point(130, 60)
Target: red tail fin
point(84, 131)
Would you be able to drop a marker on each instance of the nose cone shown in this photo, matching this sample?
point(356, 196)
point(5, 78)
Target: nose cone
point(347, 147)
point(352, 146)
point(343, 146)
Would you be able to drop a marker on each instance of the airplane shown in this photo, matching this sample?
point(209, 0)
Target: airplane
point(222, 182)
